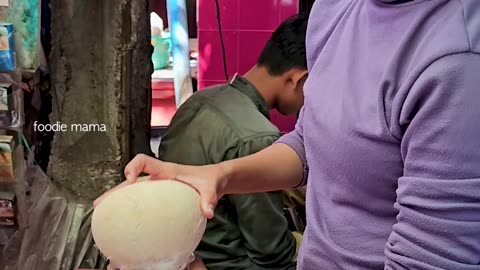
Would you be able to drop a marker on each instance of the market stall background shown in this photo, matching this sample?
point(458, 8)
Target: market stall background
point(99, 68)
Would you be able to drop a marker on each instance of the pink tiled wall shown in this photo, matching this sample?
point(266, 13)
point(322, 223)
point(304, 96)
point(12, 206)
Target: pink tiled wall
point(246, 25)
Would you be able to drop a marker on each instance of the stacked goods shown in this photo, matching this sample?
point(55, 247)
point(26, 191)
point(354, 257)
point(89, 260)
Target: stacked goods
point(24, 15)
point(7, 209)
point(7, 48)
point(7, 146)
point(15, 36)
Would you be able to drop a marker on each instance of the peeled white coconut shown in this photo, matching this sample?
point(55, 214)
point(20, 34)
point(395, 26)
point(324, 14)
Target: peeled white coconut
point(149, 225)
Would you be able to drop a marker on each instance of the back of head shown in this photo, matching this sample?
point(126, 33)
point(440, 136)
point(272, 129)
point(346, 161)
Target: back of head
point(285, 50)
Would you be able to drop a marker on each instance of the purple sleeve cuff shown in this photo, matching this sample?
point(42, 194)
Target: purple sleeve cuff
point(438, 224)
point(296, 143)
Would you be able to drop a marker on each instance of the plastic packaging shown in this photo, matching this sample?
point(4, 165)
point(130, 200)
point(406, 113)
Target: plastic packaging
point(162, 47)
point(156, 24)
point(163, 266)
point(25, 16)
point(58, 235)
point(11, 106)
point(161, 42)
point(7, 48)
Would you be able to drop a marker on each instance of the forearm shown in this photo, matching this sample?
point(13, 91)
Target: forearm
point(277, 167)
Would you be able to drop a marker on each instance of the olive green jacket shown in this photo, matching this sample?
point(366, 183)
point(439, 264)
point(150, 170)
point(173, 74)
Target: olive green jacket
point(221, 123)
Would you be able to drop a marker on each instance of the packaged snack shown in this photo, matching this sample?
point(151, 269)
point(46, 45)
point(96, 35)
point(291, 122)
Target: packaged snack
point(11, 106)
point(25, 16)
point(7, 209)
point(7, 48)
point(7, 147)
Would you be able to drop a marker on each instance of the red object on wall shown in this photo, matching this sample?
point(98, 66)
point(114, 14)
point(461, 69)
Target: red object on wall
point(246, 25)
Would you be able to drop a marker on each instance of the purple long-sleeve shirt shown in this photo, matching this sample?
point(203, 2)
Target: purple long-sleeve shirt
point(390, 135)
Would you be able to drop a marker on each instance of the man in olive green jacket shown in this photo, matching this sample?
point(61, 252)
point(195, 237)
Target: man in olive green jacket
point(231, 121)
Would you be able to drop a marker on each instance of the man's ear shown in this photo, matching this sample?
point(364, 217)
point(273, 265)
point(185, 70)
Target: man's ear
point(298, 75)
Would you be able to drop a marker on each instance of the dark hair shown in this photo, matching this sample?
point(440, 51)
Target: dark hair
point(285, 49)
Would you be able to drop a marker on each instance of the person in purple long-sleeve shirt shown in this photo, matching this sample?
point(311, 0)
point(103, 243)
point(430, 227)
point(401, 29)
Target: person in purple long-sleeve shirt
point(388, 141)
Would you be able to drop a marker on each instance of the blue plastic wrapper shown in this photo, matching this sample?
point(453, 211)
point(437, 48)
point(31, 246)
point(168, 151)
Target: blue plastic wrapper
point(7, 48)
